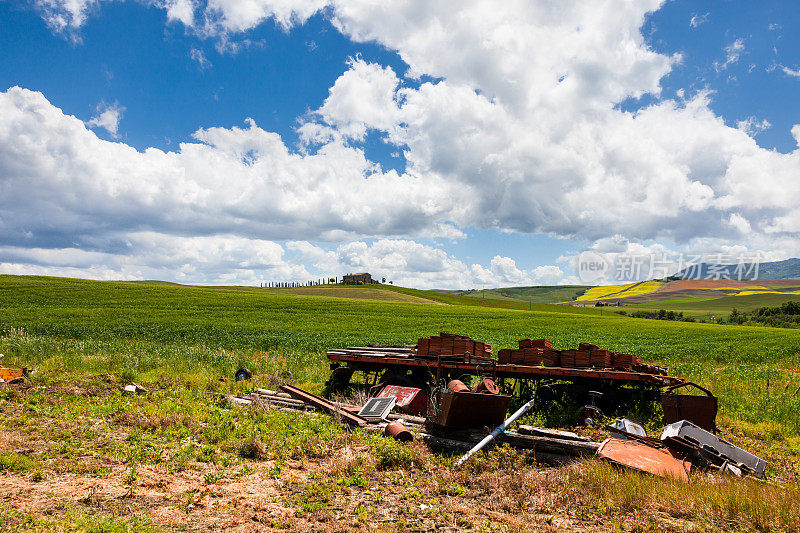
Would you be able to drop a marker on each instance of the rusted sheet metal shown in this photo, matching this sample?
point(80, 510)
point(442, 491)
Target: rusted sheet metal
point(325, 405)
point(409, 399)
point(397, 430)
point(641, 456)
point(700, 410)
point(13, 375)
point(505, 370)
point(471, 409)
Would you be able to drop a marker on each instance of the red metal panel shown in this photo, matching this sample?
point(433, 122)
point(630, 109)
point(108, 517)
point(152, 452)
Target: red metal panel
point(409, 399)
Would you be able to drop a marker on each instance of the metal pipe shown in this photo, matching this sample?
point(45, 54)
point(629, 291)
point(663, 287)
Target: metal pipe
point(498, 430)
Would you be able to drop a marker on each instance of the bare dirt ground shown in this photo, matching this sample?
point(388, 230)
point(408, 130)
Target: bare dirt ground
point(184, 501)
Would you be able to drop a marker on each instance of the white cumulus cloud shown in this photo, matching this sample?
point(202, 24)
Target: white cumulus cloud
point(107, 117)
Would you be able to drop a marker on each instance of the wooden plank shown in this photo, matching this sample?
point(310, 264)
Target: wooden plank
point(551, 445)
point(547, 432)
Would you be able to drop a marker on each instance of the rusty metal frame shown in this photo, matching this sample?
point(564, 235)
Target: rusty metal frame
point(502, 370)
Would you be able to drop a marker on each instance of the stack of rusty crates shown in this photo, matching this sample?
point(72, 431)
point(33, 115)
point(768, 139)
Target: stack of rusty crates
point(551, 357)
point(452, 346)
point(602, 358)
point(521, 356)
point(575, 358)
point(540, 352)
point(530, 352)
point(624, 361)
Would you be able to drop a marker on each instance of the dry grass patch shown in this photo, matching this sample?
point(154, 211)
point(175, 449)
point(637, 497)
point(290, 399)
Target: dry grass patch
point(722, 502)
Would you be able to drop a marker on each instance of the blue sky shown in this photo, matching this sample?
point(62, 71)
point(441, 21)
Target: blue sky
point(441, 147)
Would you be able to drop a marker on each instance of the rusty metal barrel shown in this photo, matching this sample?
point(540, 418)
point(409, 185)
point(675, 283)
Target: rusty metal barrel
point(457, 386)
point(397, 430)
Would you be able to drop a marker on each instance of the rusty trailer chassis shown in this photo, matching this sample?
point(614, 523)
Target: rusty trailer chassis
point(523, 381)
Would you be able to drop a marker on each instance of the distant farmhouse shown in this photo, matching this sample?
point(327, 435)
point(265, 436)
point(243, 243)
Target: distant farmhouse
point(362, 278)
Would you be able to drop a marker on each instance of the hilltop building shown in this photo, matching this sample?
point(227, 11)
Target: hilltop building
point(361, 278)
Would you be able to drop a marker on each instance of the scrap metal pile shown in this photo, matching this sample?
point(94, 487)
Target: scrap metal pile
point(449, 413)
point(468, 419)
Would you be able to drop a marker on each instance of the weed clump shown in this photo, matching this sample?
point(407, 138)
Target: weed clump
point(253, 448)
point(390, 454)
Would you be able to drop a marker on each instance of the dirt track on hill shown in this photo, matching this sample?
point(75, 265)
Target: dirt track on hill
point(696, 284)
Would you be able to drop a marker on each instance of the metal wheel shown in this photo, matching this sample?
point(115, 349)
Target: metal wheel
point(243, 374)
point(340, 379)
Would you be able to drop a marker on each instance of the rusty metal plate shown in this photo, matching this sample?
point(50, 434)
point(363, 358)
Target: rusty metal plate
point(12, 374)
point(640, 456)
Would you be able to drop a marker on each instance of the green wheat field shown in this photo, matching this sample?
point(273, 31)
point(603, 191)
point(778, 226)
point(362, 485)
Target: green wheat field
point(87, 338)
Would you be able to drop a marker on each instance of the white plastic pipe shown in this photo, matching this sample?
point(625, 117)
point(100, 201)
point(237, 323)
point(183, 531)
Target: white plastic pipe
point(499, 429)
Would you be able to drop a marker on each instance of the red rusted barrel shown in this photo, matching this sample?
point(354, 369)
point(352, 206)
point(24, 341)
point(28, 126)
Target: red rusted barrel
point(397, 430)
point(487, 386)
point(457, 386)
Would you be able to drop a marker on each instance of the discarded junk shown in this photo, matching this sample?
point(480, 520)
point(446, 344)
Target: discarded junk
point(683, 445)
point(701, 410)
point(622, 427)
point(410, 400)
point(13, 375)
point(469, 419)
point(458, 407)
point(717, 451)
point(398, 431)
point(521, 371)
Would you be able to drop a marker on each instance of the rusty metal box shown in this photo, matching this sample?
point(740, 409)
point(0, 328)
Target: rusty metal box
point(470, 409)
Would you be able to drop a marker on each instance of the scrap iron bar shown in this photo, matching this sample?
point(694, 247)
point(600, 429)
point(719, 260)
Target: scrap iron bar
point(325, 405)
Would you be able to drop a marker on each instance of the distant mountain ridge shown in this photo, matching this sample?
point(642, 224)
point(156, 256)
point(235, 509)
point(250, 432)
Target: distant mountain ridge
point(787, 269)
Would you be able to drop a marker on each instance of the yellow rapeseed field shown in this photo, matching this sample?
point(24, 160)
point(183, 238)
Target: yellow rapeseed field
point(619, 291)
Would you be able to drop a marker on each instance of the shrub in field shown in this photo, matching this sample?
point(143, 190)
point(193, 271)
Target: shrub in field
point(253, 448)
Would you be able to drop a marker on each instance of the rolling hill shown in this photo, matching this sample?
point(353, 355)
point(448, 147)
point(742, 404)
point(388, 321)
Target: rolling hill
point(789, 268)
point(545, 294)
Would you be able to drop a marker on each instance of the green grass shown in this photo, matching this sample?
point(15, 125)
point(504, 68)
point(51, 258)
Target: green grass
point(152, 330)
point(180, 340)
point(366, 292)
point(474, 299)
